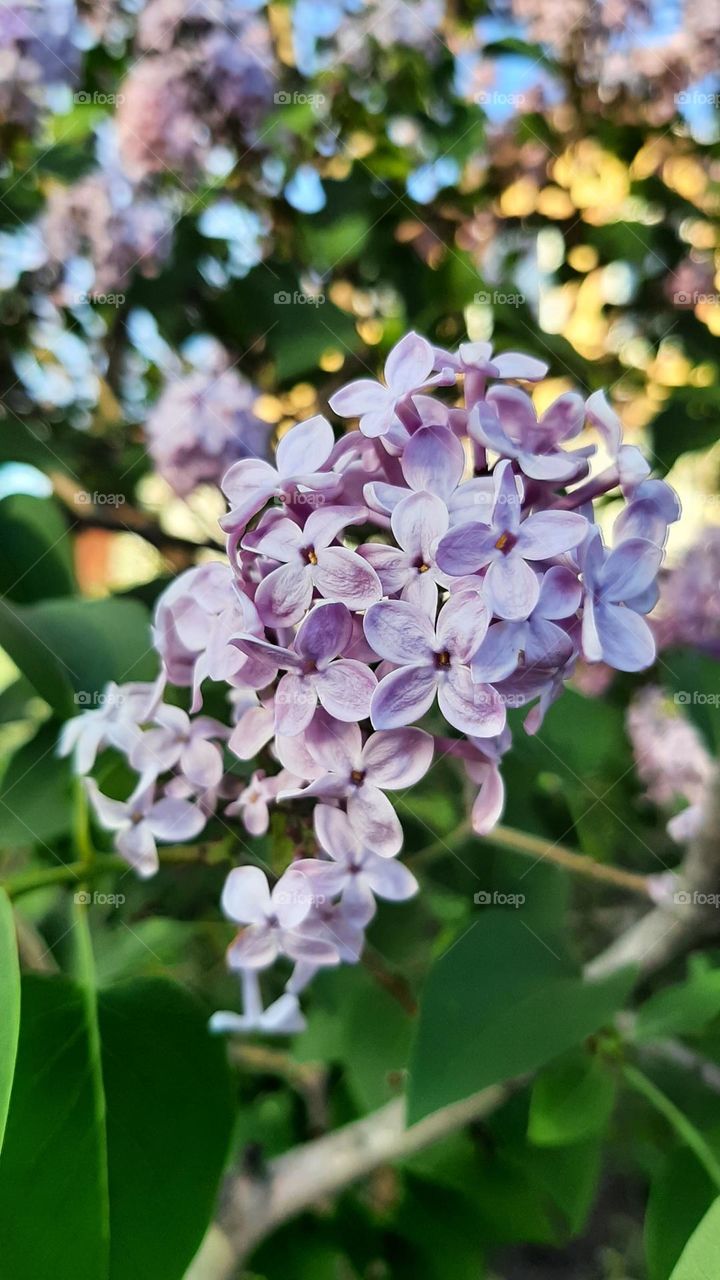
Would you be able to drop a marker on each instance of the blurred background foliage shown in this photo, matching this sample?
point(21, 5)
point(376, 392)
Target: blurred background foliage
point(282, 191)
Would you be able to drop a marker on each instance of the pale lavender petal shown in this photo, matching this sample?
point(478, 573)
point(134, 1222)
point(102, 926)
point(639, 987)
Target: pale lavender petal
point(248, 477)
point(417, 523)
point(399, 632)
point(255, 816)
point(383, 497)
point(156, 751)
point(112, 814)
point(547, 645)
point(346, 688)
point(560, 593)
point(403, 696)
point(305, 447)
point(489, 802)
point(292, 897)
point(295, 703)
point(557, 466)
point(511, 587)
point(476, 709)
point(172, 819)
point(516, 412)
point(376, 822)
point(391, 566)
point(275, 654)
point(390, 879)
point(324, 525)
point(335, 833)
point(499, 652)
point(325, 878)
point(630, 569)
point(360, 397)
point(246, 895)
point(397, 757)
point(294, 755)
point(137, 846)
point(409, 364)
point(343, 575)
point(591, 644)
point(421, 592)
point(280, 539)
point(252, 732)
point(473, 501)
point(462, 624)
point(334, 744)
point(466, 548)
point(550, 533)
point(202, 764)
point(602, 416)
point(626, 639)
point(284, 597)
point(485, 427)
point(508, 498)
point(514, 364)
point(433, 460)
point(255, 948)
point(325, 632)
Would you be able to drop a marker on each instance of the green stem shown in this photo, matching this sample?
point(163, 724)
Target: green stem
point(683, 1127)
point(530, 846)
point(77, 872)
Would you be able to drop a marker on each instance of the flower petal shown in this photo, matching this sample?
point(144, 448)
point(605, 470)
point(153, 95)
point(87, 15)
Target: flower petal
point(462, 624)
point(324, 633)
point(375, 820)
point(433, 460)
point(305, 447)
point(497, 657)
point(136, 845)
point(409, 364)
point(630, 569)
point(284, 596)
point(466, 548)
point(397, 757)
point(626, 639)
point(560, 593)
point(246, 895)
point(390, 879)
point(171, 819)
point(334, 744)
point(346, 688)
point(343, 575)
point(360, 397)
point(295, 703)
point(476, 709)
point(418, 522)
point(403, 696)
point(511, 587)
point(550, 533)
point(335, 833)
point(399, 632)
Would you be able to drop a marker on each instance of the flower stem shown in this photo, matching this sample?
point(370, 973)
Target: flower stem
point(683, 1127)
point(76, 873)
point(503, 837)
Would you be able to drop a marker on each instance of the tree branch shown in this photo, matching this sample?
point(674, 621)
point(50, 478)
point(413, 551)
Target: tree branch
point(252, 1207)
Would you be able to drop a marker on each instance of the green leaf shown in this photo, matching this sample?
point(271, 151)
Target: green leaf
point(502, 1001)
point(683, 1009)
point(699, 1258)
point(35, 658)
point(679, 1196)
point(97, 640)
point(37, 558)
point(127, 1117)
point(35, 794)
point(572, 1099)
point(9, 1006)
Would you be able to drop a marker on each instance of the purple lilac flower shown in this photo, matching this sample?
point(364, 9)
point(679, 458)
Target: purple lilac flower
point(507, 545)
point(309, 562)
point(506, 422)
point(408, 368)
point(418, 523)
point(536, 641)
point(432, 660)
point(612, 631)
point(433, 461)
point(142, 820)
point(689, 610)
point(300, 457)
point(345, 769)
point(281, 1018)
point(178, 741)
point(316, 671)
point(670, 757)
point(114, 723)
point(252, 805)
point(271, 919)
point(354, 871)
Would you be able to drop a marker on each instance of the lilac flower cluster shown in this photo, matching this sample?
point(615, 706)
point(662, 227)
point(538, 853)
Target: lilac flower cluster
point(671, 759)
point(443, 552)
point(37, 52)
point(201, 424)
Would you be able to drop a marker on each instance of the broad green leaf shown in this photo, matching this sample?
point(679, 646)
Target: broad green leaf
point(9, 1006)
point(35, 794)
point(117, 1133)
point(683, 1009)
point(572, 1099)
point(680, 1194)
point(52, 1207)
point(699, 1258)
point(97, 641)
point(502, 1001)
point(37, 558)
point(35, 657)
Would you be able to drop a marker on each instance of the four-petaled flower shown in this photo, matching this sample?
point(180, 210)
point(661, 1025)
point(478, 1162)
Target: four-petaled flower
point(141, 820)
point(408, 367)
